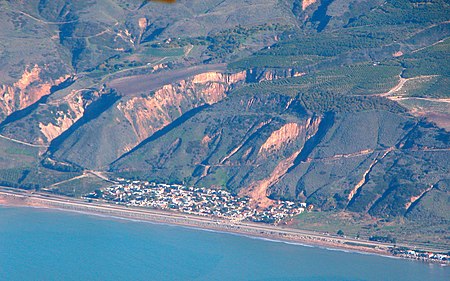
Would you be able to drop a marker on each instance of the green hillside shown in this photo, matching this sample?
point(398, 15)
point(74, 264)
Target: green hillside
point(342, 104)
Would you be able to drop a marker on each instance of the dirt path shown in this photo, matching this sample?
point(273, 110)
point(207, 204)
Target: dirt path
point(396, 88)
point(100, 175)
point(397, 98)
point(132, 68)
point(71, 179)
point(431, 45)
point(92, 36)
point(39, 20)
point(341, 156)
point(24, 143)
point(188, 50)
point(402, 82)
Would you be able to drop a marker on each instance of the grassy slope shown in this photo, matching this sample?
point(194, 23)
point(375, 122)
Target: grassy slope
point(346, 66)
point(20, 167)
point(357, 62)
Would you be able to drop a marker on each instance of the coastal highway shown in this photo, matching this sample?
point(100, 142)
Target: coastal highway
point(39, 199)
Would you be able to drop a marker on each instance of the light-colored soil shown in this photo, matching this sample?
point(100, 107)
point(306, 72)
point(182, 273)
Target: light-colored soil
point(138, 84)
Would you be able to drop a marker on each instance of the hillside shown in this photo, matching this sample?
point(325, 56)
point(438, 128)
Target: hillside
point(342, 104)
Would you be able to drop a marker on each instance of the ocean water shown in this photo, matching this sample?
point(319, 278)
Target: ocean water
point(37, 244)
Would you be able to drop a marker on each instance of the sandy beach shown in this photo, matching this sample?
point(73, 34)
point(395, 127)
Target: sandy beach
point(10, 197)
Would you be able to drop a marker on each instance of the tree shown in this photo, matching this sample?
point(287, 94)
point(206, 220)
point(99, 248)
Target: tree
point(340, 232)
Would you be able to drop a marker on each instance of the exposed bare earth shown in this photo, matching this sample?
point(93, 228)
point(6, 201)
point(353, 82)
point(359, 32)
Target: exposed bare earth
point(307, 3)
point(285, 135)
point(366, 173)
point(441, 119)
point(258, 191)
point(134, 85)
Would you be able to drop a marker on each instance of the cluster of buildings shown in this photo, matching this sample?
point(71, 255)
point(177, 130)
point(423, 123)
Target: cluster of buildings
point(196, 200)
point(421, 255)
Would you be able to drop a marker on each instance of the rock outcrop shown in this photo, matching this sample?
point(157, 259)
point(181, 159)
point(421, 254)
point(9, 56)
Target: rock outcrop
point(307, 3)
point(286, 135)
point(152, 112)
point(75, 106)
point(30, 88)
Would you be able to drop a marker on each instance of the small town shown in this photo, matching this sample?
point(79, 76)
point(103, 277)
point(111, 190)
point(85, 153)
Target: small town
point(421, 255)
point(220, 204)
point(196, 201)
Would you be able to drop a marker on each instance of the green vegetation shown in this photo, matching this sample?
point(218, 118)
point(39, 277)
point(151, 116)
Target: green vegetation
point(325, 102)
point(16, 163)
point(221, 44)
point(20, 167)
point(43, 177)
point(401, 12)
point(301, 51)
point(385, 239)
point(163, 52)
point(358, 79)
point(80, 186)
point(350, 144)
point(359, 226)
point(432, 60)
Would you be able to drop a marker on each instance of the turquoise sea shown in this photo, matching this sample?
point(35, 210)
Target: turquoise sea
point(37, 244)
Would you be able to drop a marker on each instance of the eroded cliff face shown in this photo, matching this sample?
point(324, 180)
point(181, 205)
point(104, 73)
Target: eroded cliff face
point(31, 87)
point(7, 103)
point(69, 110)
point(307, 3)
point(268, 74)
point(288, 135)
point(152, 112)
point(146, 114)
point(278, 138)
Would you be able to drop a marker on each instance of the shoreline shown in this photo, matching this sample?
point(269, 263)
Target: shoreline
point(19, 198)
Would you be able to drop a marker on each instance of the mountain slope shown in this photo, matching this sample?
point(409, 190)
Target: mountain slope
point(344, 104)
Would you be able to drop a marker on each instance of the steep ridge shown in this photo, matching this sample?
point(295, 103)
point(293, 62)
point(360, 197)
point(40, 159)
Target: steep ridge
point(324, 125)
point(432, 205)
point(92, 112)
point(365, 177)
point(403, 174)
point(414, 199)
point(19, 113)
point(322, 172)
point(138, 117)
point(49, 117)
point(222, 140)
point(188, 125)
point(77, 103)
point(160, 133)
point(152, 112)
point(283, 152)
point(283, 136)
point(258, 191)
point(28, 90)
point(142, 115)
